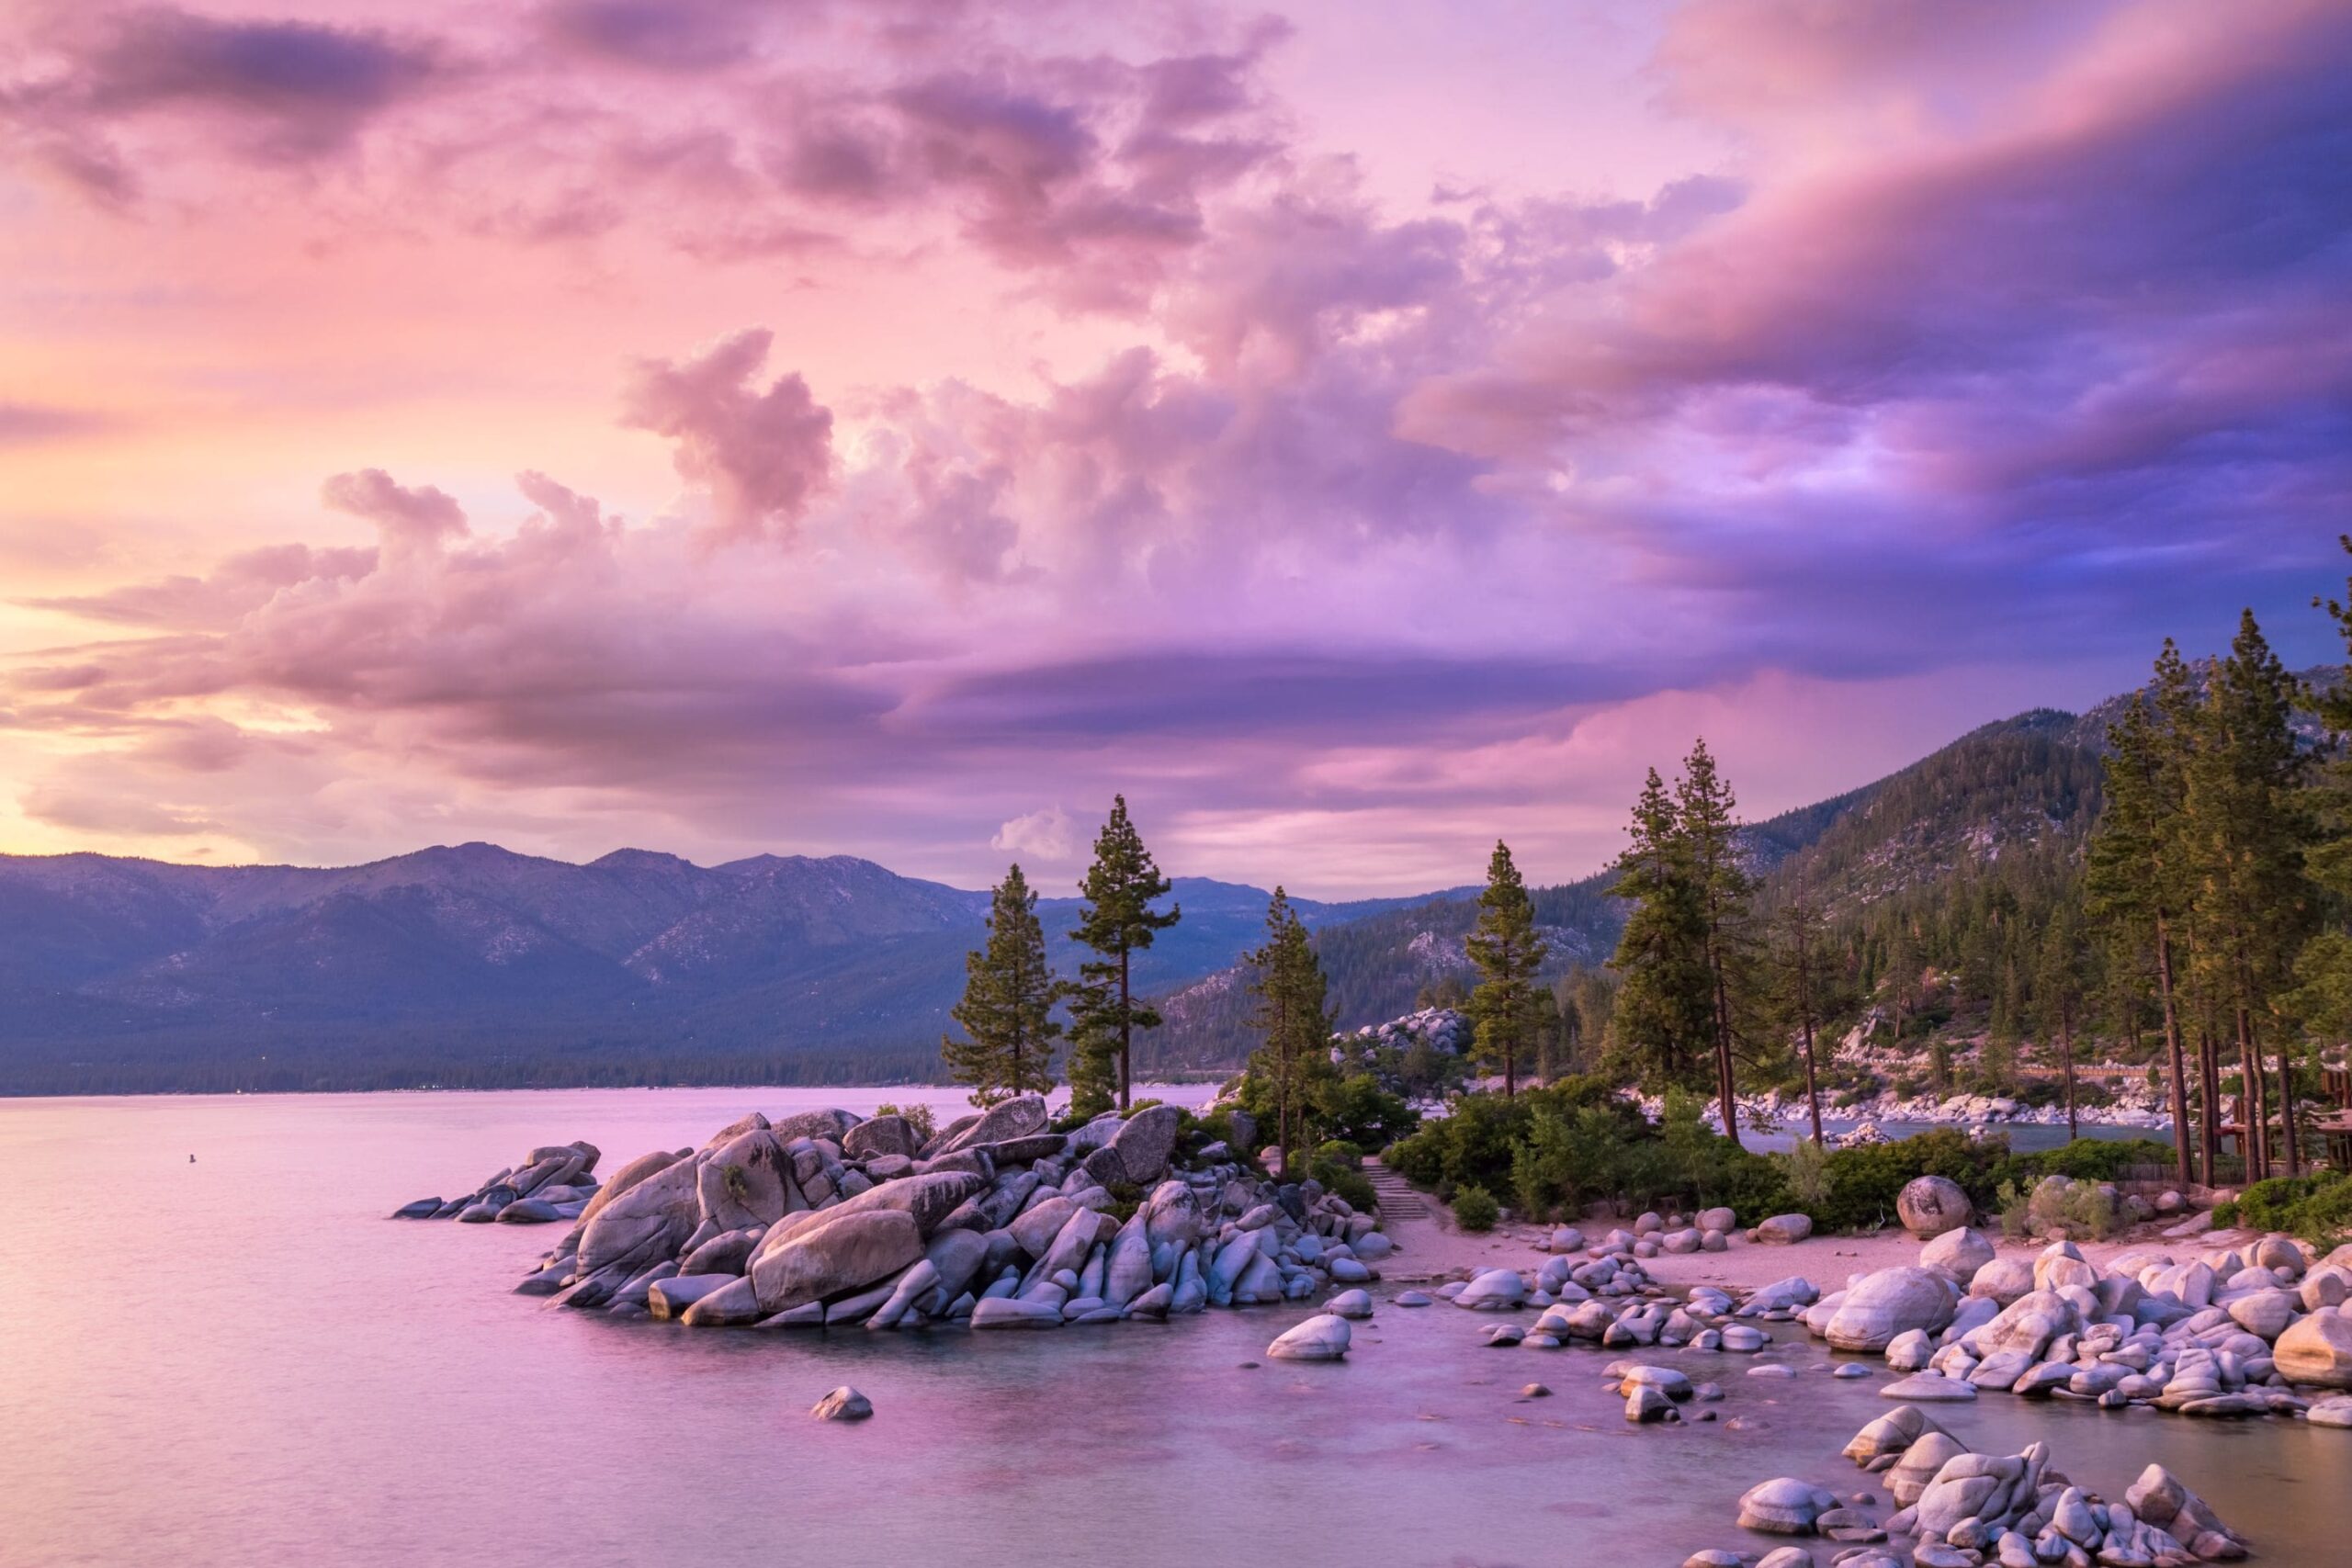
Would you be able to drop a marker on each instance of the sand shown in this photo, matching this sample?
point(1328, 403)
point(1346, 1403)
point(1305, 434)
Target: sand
point(1435, 1248)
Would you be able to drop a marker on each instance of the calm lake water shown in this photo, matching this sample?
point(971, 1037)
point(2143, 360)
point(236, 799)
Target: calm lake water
point(241, 1361)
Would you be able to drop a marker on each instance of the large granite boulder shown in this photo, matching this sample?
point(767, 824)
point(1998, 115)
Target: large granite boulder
point(746, 1182)
point(2002, 1280)
point(1957, 1254)
point(1146, 1143)
point(845, 1253)
point(832, 1125)
point(879, 1136)
point(646, 1223)
point(1930, 1205)
point(927, 1200)
point(2316, 1349)
point(1783, 1230)
point(1015, 1118)
point(1878, 1306)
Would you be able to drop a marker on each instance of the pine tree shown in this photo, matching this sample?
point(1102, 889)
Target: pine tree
point(1802, 990)
point(2242, 807)
point(1294, 1023)
point(1663, 1015)
point(2134, 879)
point(2058, 996)
point(1119, 922)
point(1704, 807)
point(1009, 996)
point(1508, 952)
point(1093, 1047)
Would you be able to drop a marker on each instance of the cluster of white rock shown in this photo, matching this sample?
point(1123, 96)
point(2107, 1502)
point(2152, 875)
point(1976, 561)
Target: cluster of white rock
point(2226, 1331)
point(555, 1182)
point(825, 1218)
point(1440, 1029)
point(1959, 1509)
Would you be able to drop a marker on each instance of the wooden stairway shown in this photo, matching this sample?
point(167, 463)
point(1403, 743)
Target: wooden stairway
point(1397, 1199)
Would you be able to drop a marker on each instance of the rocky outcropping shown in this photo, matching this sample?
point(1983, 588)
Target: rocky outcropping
point(555, 1182)
point(2252, 1331)
point(996, 1222)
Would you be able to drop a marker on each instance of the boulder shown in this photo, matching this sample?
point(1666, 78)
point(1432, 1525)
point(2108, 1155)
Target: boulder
point(1493, 1289)
point(1146, 1142)
point(844, 1403)
point(746, 1182)
point(648, 1221)
point(1715, 1220)
point(1784, 1505)
point(879, 1136)
point(2002, 1280)
point(1015, 1118)
point(1930, 1205)
point(1783, 1230)
point(2316, 1349)
point(832, 1125)
point(1350, 1304)
point(528, 1211)
point(670, 1298)
point(845, 1253)
point(1011, 1312)
point(1319, 1339)
point(1957, 1254)
point(423, 1209)
point(1891, 1302)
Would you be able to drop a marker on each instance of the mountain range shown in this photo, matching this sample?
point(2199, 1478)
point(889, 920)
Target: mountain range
point(473, 965)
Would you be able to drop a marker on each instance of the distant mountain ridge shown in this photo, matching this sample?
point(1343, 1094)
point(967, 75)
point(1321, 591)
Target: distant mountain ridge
point(473, 964)
point(470, 965)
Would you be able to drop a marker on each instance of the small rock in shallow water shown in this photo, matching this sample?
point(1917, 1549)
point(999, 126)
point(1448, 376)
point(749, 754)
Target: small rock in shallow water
point(1784, 1505)
point(1410, 1299)
point(1851, 1370)
point(844, 1403)
point(1319, 1339)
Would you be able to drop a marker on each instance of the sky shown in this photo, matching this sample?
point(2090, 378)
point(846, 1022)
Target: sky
point(1353, 430)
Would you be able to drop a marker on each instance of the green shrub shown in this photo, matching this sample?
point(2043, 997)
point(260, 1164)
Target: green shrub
point(2317, 1208)
point(1475, 1209)
point(1804, 1171)
point(1346, 1181)
point(2079, 1208)
point(2016, 1209)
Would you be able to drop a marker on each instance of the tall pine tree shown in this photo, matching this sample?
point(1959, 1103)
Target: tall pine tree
point(1704, 809)
point(1508, 952)
point(1294, 1023)
point(2133, 881)
point(1009, 996)
point(1118, 923)
point(1663, 1017)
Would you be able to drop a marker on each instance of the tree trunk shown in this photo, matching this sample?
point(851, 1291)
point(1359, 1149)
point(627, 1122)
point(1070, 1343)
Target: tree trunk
point(2209, 1088)
point(2256, 1114)
point(1126, 1029)
point(2066, 1065)
point(2287, 1140)
point(1724, 1089)
point(2180, 1069)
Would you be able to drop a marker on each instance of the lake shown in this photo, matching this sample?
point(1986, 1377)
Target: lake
point(241, 1361)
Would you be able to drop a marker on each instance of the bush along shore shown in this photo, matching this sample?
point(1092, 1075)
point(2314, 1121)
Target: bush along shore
point(998, 1221)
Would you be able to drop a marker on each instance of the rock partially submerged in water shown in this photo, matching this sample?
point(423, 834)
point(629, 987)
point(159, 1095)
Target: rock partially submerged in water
point(823, 1219)
point(555, 1182)
point(1321, 1338)
point(844, 1403)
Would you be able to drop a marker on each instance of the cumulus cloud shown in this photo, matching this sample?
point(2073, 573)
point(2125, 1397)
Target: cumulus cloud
point(761, 455)
point(1049, 834)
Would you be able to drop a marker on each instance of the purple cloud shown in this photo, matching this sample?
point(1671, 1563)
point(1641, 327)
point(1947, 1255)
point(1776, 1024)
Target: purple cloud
point(762, 454)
